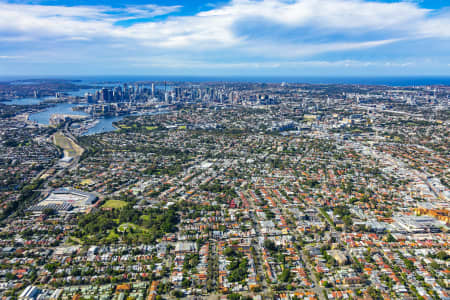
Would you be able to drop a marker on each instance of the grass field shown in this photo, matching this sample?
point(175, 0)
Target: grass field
point(114, 204)
point(145, 217)
point(87, 182)
point(70, 147)
point(124, 127)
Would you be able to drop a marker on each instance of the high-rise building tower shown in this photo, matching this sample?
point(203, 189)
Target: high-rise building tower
point(166, 97)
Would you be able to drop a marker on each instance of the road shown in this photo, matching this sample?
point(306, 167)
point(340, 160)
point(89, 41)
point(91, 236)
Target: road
point(45, 189)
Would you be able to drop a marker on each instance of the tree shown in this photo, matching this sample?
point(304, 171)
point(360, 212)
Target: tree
point(10, 276)
point(209, 285)
point(228, 252)
point(285, 275)
point(390, 238)
point(51, 267)
point(234, 296)
point(442, 255)
point(178, 293)
point(238, 270)
point(347, 220)
point(49, 212)
point(186, 283)
point(270, 245)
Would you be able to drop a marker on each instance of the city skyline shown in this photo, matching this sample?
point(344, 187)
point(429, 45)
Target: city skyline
point(241, 37)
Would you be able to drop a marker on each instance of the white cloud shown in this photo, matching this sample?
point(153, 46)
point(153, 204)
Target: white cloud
point(10, 57)
point(303, 50)
point(436, 27)
point(39, 21)
point(336, 14)
point(165, 61)
point(150, 10)
point(214, 29)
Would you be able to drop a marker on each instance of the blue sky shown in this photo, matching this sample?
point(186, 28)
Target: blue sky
point(223, 38)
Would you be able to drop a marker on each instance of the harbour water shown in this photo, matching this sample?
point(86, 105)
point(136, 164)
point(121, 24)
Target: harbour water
point(43, 117)
point(112, 80)
point(82, 92)
point(24, 101)
point(105, 124)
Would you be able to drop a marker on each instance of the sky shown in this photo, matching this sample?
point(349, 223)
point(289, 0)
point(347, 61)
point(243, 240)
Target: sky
point(225, 38)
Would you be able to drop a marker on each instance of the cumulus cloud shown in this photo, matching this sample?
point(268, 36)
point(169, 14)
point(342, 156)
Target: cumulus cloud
point(217, 27)
point(36, 21)
point(248, 30)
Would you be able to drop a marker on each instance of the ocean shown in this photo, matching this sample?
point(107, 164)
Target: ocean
point(381, 80)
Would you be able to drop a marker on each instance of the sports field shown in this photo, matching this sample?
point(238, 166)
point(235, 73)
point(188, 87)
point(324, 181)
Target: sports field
point(71, 149)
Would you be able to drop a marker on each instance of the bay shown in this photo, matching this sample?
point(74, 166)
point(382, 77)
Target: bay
point(43, 117)
point(105, 124)
point(25, 101)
